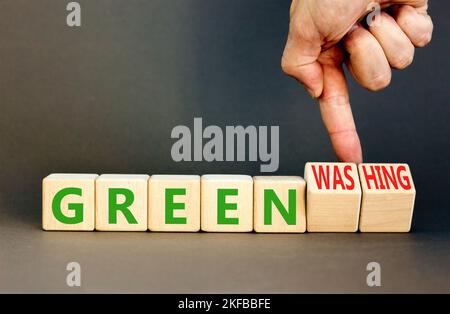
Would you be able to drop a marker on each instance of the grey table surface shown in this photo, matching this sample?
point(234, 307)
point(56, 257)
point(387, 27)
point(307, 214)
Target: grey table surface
point(34, 261)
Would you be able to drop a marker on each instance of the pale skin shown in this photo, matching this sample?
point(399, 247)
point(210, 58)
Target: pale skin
point(324, 34)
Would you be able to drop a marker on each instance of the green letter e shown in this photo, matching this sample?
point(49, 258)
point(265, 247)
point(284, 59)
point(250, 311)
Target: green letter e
point(223, 206)
point(171, 206)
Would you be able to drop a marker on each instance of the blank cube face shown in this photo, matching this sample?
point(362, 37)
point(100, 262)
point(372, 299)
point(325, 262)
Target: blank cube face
point(333, 197)
point(121, 202)
point(227, 203)
point(388, 197)
point(279, 204)
point(68, 202)
point(174, 203)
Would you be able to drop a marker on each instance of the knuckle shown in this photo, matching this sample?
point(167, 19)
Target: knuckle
point(404, 23)
point(287, 66)
point(380, 82)
point(402, 61)
point(424, 39)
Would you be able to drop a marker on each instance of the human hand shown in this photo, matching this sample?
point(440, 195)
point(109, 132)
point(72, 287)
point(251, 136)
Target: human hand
point(325, 33)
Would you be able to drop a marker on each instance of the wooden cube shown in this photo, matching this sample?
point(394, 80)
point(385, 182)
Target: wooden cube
point(68, 202)
point(333, 197)
point(174, 203)
point(388, 197)
point(279, 204)
point(121, 202)
point(227, 203)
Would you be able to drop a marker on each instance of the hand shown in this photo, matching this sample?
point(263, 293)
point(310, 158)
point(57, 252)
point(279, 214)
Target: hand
point(320, 33)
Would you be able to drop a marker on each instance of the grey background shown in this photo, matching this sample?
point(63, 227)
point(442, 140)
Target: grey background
point(104, 98)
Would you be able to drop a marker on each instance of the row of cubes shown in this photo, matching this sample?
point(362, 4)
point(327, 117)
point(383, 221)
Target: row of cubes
point(333, 197)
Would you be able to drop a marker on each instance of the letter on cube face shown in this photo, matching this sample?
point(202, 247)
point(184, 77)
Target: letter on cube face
point(279, 204)
point(174, 203)
point(227, 203)
point(388, 198)
point(68, 202)
point(121, 202)
point(333, 197)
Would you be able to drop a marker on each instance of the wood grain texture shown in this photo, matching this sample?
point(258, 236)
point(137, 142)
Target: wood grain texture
point(281, 186)
point(210, 185)
point(53, 184)
point(388, 198)
point(138, 185)
point(333, 197)
point(187, 219)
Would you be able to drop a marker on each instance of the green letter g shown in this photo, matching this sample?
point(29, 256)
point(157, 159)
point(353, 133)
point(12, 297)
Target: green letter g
point(77, 207)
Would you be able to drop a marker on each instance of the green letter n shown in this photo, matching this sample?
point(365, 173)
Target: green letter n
point(288, 215)
point(77, 207)
point(113, 207)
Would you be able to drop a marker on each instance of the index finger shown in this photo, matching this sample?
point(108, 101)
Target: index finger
point(336, 111)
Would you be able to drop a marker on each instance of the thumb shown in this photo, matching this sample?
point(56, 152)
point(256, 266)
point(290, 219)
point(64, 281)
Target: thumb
point(302, 50)
point(335, 108)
